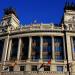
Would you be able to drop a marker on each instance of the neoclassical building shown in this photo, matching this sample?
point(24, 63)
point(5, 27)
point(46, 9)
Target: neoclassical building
point(24, 48)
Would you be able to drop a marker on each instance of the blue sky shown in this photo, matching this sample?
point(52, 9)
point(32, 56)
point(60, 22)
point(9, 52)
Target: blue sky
point(43, 11)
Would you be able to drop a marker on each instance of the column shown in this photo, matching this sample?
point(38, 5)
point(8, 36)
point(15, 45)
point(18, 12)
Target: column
point(19, 47)
point(9, 49)
point(53, 66)
point(30, 42)
point(41, 53)
point(28, 66)
point(69, 52)
point(17, 67)
point(53, 52)
point(41, 48)
point(5, 49)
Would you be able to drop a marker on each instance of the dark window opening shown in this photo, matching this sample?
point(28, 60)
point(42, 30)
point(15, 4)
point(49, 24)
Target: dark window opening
point(47, 48)
point(35, 48)
point(60, 68)
point(34, 68)
point(46, 68)
point(73, 47)
point(14, 49)
point(59, 50)
point(24, 48)
point(1, 48)
point(22, 68)
point(11, 68)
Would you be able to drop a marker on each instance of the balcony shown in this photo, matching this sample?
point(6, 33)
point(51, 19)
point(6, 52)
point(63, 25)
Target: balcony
point(34, 73)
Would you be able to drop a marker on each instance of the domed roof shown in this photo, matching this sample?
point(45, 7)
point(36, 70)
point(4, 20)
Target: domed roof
point(69, 6)
point(9, 10)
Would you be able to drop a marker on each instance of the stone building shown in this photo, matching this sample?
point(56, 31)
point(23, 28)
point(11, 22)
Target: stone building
point(23, 49)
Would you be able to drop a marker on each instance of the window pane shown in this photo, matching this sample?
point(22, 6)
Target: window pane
point(59, 51)
point(10, 68)
point(46, 68)
point(35, 48)
point(14, 49)
point(73, 47)
point(1, 48)
point(59, 68)
point(34, 68)
point(22, 68)
point(74, 44)
point(47, 48)
point(24, 48)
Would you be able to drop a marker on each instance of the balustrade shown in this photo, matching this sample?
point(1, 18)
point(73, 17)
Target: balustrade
point(33, 73)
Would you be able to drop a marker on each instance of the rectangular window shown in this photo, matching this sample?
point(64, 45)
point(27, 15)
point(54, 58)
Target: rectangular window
point(73, 47)
point(47, 48)
point(59, 50)
point(60, 68)
point(1, 48)
point(11, 68)
point(24, 48)
point(35, 54)
point(34, 68)
point(46, 68)
point(14, 49)
point(22, 68)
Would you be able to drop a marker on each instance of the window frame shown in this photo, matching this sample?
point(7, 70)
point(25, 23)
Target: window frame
point(34, 68)
point(46, 68)
point(22, 68)
point(60, 68)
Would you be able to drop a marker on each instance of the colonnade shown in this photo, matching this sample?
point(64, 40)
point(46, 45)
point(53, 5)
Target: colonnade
point(8, 42)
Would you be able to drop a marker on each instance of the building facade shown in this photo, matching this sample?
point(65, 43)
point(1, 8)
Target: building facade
point(23, 49)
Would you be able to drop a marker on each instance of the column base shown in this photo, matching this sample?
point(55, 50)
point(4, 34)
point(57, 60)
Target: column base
point(28, 60)
point(17, 68)
point(40, 61)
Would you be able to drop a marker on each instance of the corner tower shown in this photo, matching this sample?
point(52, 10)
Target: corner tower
point(10, 19)
point(69, 15)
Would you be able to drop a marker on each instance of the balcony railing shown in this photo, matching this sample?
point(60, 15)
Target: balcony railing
point(34, 73)
point(37, 27)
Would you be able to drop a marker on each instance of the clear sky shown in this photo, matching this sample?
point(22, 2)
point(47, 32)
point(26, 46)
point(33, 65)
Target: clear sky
point(43, 11)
